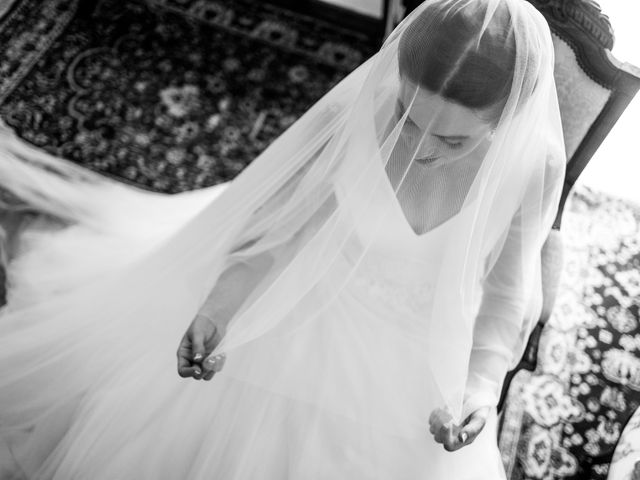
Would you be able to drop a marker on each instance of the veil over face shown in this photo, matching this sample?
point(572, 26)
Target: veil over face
point(457, 114)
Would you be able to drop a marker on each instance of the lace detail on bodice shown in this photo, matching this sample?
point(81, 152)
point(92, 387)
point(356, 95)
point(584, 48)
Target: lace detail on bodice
point(396, 274)
point(396, 283)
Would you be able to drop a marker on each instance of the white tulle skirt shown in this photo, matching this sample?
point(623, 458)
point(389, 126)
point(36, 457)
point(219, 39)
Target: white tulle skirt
point(346, 396)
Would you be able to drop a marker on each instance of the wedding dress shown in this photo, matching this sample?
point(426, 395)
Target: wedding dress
point(376, 311)
point(143, 422)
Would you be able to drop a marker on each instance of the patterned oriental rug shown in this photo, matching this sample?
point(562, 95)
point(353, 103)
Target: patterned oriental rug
point(170, 95)
point(174, 95)
point(564, 420)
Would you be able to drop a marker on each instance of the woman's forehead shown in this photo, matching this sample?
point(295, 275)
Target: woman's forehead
point(429, 110)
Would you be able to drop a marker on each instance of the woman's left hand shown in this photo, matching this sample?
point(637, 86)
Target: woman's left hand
point(453, 437)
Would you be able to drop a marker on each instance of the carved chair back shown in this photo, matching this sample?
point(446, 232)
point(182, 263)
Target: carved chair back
point(594, 88)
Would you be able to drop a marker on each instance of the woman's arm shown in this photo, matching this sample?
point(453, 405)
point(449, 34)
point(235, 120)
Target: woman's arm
point(241, 277)
point(244, 272)
point(496, 333)
point(508, 290)
point(497, 327)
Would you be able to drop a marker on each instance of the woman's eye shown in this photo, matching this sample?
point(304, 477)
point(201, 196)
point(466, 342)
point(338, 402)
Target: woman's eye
point(451, 143)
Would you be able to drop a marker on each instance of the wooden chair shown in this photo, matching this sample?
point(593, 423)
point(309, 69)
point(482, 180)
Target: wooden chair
point(593, 91)
point(594, 88)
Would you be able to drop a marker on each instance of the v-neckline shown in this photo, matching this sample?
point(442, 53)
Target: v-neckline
point(387, 181)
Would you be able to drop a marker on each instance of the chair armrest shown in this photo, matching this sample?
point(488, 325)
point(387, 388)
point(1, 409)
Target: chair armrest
point(626, 458)
point(551, 263)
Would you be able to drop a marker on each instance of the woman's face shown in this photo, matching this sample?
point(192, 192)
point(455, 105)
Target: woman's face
point(441, 131)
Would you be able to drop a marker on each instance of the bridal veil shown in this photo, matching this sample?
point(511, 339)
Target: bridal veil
point(159, 256)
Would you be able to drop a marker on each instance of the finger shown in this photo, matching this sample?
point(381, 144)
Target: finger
point(432, 417)
point(435, 426)
point(197, 372)
point(443, 435)
point(183, 365)
point(438, 429)
point(214, 362)
point(439, 415)
point(208, 375)
point(193, 371)
point(439, 432)
point(220, 363)
point(451, 442)
point(472, 429)
point(198, 350)
point(184, 361)
point(476, 421)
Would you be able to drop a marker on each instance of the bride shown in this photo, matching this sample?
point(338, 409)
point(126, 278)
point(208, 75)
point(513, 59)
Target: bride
point(356, 295)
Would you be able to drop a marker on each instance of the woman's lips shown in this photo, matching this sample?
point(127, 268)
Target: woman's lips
point(426, 160)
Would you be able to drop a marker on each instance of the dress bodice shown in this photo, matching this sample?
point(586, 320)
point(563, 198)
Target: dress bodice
point(387, 228)
point(399, 266)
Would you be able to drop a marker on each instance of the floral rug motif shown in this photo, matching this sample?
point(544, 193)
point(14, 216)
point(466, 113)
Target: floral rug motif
point(564, 420)
point(170, 95)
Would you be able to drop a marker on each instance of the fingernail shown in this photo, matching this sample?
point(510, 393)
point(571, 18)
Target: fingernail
point(212, 360)
point(197, 357)
point(197, 372)
point(463, 437)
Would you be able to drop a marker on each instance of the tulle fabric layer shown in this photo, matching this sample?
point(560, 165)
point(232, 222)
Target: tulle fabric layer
point(273, 207)
point(95, 310)
point(345, 395)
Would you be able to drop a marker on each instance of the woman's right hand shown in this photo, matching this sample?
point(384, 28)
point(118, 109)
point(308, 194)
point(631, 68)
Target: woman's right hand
point(200, 339)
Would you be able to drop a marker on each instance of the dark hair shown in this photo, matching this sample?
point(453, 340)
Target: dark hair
point(440, 51)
